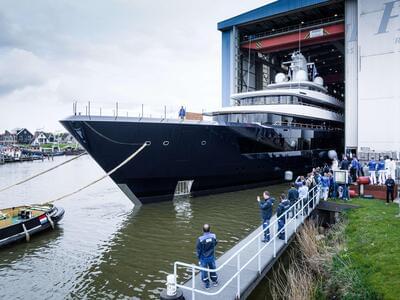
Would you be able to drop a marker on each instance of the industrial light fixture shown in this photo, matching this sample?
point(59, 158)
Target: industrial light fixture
point(333, 50)
point(339, 56)
point(335, 15)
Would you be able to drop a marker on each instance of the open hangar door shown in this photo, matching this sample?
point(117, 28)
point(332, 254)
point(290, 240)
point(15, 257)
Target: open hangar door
point(318, 32)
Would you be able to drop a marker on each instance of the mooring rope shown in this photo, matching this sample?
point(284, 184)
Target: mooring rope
point(104, 176)
point(41, 173)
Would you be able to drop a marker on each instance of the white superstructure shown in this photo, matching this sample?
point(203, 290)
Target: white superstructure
point(299, 93)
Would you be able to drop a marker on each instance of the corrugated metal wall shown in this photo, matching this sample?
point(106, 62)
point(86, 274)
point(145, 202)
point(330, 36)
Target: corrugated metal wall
point(351, 74)
point(378, 78)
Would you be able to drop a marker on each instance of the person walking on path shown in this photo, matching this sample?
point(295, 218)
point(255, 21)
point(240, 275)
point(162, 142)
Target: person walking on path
point(303, 195)
point(390, 183)
point(205, 248)
point(293, 196)
point(325, 183)
point(372, 170)
point(266, 206)
point(283, 207)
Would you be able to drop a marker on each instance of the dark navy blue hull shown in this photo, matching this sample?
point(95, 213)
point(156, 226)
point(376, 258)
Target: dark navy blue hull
point(218, 158)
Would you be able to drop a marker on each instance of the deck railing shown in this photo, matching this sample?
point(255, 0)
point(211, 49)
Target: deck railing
point(300, 215)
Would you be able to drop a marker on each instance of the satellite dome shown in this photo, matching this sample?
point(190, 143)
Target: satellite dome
point(280, 77)
point(301, 75)
point(332, 154)
point(319, 80)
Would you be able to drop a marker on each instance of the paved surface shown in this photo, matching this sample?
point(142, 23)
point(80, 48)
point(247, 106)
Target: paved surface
point(251, 273)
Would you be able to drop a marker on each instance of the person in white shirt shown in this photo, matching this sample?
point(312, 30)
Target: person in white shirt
point(303, 195)
point(392, 168)
point(387, 166)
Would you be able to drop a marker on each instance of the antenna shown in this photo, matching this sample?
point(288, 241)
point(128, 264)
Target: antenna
point(301, 23)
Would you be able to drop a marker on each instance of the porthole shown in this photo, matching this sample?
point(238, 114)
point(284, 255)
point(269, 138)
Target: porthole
point(203, 143)
point(165, 143)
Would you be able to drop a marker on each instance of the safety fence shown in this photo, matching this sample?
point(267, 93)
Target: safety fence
point(302, 209)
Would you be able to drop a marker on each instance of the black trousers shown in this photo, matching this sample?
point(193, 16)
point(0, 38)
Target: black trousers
point(391, 193)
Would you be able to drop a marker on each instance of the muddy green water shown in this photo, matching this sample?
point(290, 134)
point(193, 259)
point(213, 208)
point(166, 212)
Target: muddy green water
point(104, 248)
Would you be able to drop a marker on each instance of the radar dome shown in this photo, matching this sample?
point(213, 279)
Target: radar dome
point(332, 154)
point(319, 80)
point(301, 75)
point(280, 77)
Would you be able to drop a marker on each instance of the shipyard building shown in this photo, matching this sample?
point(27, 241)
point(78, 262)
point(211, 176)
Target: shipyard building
point(355, 46)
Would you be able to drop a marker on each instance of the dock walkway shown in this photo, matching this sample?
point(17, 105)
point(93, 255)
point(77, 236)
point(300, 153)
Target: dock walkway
point(242, 267)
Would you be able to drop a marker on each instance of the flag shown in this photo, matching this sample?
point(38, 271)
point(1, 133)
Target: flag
point(42, 219)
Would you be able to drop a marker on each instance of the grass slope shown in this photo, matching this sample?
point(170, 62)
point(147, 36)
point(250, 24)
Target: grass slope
point(373, 241)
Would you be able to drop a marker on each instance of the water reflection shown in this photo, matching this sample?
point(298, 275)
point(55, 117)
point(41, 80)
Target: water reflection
point(106, 249)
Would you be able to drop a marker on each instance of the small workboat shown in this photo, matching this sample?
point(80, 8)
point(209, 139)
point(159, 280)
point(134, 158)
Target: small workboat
point(20, 223)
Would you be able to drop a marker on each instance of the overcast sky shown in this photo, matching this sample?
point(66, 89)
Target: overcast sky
point(131, 51)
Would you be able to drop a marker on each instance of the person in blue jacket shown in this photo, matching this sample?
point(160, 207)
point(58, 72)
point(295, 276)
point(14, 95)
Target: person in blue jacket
point(266, 206)
point(293, 196)
point(354, 169)
point(381, 171)
point(372, 170)
point(325, 183)
point(182, 113)
point(205, 248)
point(283, 207)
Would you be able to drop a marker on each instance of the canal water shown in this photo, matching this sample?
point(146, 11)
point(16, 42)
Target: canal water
point(104, 248)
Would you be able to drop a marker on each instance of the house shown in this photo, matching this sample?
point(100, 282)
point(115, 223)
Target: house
point(64, 138)
point(42, 137)
point(8, 138)
point(23, 136)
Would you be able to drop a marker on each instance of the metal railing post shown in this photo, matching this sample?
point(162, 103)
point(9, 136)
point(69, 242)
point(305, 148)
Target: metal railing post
point(238, 276)
point(193, 283)
point(275, 233)
point(116, 110)
point(259, 256)
point(285, 228)
point(295, 216)
point(142, 110)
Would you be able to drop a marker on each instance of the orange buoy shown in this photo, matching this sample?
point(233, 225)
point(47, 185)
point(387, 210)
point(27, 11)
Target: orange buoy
point(352, 193)
point(363, 180)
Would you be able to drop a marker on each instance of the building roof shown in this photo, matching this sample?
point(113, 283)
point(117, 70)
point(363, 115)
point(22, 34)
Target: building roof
point(271, 9)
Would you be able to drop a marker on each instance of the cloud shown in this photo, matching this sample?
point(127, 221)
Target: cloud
point(135, 52)
point(20, 68)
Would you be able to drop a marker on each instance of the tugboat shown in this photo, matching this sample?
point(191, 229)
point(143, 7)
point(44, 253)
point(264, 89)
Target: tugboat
point(290, 125)
point(20, 223)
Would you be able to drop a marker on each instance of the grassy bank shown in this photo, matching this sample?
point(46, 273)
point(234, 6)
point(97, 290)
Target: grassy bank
point(358, 258)
point(372, 238)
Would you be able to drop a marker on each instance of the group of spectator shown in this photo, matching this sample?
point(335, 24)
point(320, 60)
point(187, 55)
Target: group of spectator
point(299, 190)
point(377, 171)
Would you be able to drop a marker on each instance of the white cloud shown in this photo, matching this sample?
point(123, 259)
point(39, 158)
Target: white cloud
point(157, 53)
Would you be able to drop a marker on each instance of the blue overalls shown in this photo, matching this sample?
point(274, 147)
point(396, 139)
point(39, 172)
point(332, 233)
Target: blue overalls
point(205, 248)
point(266, 214)
point(280, 213)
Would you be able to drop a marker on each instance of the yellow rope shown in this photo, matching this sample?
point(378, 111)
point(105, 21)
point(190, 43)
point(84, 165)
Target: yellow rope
point(104, 176)
point(41, 173)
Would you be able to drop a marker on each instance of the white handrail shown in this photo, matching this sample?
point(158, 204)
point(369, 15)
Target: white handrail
point(194, 267)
